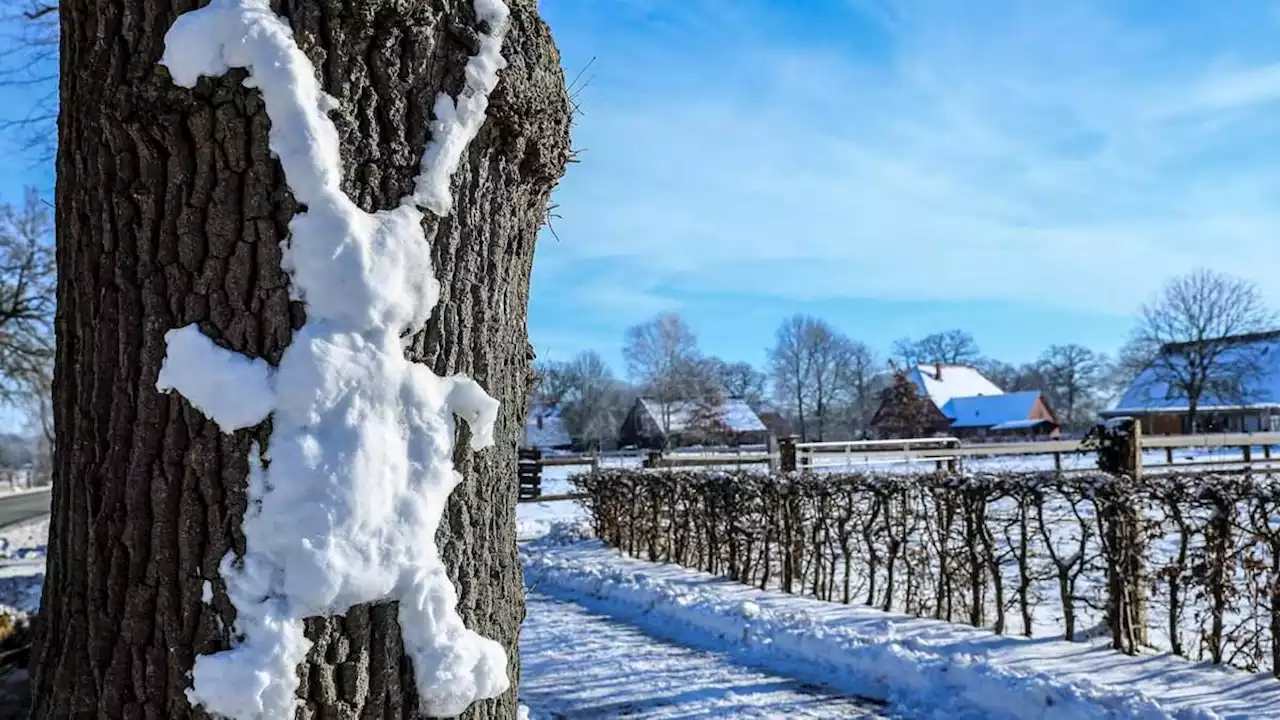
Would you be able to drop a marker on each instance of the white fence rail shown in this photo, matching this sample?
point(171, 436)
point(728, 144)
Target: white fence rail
point(940, 450)
point(1255, 449)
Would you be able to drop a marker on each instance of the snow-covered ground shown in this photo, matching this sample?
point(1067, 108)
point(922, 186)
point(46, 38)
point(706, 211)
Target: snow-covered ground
point(838, 462)
point(576, 663)
point(923, 668)
point(22, 558)
point(18, 482)
point(536, 519)
point(608, 636)
point(1153, 460)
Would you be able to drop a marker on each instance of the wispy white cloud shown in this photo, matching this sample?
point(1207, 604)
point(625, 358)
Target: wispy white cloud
point(1054, 153)
point(1236, 88)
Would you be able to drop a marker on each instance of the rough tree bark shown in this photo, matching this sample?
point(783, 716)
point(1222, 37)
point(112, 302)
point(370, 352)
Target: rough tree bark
point(170, 210)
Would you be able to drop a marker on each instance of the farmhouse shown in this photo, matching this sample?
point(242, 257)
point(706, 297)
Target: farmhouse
point(544, 429)
point(651, 424)
point(775, 422)
point(1254, 406)
point(959, 400)
point(1017, 414)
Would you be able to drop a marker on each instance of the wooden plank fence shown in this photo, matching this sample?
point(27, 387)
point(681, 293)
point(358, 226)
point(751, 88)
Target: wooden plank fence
point(529, 472)
point(945, 453)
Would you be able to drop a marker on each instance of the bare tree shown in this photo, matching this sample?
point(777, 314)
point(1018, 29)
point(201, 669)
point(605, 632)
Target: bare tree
point(952, 347)
point(1129, 363)
point(27, 302)
point(739, 380)
point(1074, 374)
point(594, 401)
point(1013, 378)
point(907, 352)
point(29, 62)
point(550, 383)
point(1004, 375)
point(831, 352)
point(860, 384)
point(1192, 341)
point(663, 358)
point(812, 365)
point(791, 365)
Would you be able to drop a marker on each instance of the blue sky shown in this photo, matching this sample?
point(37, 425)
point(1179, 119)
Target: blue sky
point(1028, 171)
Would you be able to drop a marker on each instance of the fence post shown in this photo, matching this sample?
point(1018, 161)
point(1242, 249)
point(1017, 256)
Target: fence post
point(787, 453)
point(1120, 453)
point(1057, 462)
point(1248, 454)
point(1168, 455)
point(653, 459)
point(529, 474)
point(1133, 456)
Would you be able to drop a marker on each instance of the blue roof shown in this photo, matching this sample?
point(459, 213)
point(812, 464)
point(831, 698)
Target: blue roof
point(1148, 392)
point(990, 410)
point(1020, 424)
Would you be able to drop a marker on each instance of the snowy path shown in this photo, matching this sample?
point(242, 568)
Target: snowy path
point(922, 668)
point(578, 664)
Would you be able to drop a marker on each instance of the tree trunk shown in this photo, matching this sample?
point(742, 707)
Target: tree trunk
point(171, 211)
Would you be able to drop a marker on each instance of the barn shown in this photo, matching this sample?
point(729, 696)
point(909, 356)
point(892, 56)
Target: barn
point(1007, 415)
point(1255, 407)
point(730, 422)
point(971, 406)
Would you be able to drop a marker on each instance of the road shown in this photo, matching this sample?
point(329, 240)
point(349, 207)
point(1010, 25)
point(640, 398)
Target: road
point(21, 506)
point(578, 664)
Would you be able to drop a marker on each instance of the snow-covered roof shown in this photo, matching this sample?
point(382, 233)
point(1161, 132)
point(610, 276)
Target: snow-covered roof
point(545, 429)
point(1148, 393)
point(1019, 424)
point(735, 413)
point(953, 381)
point(990, 410)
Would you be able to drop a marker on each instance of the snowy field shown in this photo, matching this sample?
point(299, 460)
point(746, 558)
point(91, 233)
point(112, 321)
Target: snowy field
point(921, 668)
point(838, 462)
point(1039, 463)
point(22, 555)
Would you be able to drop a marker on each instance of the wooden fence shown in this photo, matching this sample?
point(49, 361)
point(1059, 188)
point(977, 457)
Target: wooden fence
point(1191, 556)
point(943, 454)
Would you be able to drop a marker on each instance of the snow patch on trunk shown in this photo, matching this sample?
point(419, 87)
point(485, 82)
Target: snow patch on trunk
point(345, 509)
point(457, 122)
point(230, 389)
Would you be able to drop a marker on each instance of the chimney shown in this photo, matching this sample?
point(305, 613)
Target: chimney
point(937, 366)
